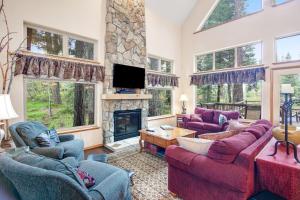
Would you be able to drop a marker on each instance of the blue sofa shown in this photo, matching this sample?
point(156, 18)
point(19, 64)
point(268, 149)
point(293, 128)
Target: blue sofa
point(35, 177)
point(24, 133)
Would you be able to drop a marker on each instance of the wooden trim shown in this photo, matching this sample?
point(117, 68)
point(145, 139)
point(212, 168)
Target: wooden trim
point(160, 117)
point(286, 62)
point(78, 130)
point(94, 147)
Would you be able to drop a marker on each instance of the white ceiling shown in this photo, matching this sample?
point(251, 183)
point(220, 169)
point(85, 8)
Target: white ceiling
point(174, 10)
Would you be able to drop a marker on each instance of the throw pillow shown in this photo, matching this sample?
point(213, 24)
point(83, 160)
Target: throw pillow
point(218, 136)
point(44, 140)
point(222, 119)
point(195, 145)
point(53, 135)
point(88, 180)
point(235, 125)
point(196, 118)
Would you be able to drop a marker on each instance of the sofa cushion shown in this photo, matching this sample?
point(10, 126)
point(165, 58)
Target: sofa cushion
point(212, 127)
point(265, 122)
point(196, 118)
point(197, 125)
point(226, 150)
point(43, 162)
point(257, 130)
point(206, 114)
point(72, 148)
point(195, 145)
point(28, 132)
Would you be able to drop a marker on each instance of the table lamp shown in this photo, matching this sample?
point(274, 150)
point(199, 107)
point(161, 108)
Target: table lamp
point(183, 99)
point(6, 112)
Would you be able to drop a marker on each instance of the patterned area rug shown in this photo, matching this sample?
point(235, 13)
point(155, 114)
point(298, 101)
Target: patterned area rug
point(150, 179)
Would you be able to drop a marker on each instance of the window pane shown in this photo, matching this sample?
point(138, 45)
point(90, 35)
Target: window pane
point(250, 55)
point(288, 48)
point(60, 104)
point(279, 1)
point(161, 102)
point(81, 49)
point(225, 59)
point(166, 66)
point(44, 42)
point(153, 63)
point(228, 10)
point(204, 62)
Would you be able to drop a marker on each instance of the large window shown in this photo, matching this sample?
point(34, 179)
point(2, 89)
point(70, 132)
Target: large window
point(160, 64)
point(54, 103)
point(228, 10)
point(247, 55)
point(288, 48)
point(60, 104)
point(161, 102)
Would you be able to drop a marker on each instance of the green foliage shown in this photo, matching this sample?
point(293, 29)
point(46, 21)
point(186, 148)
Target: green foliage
point(160, 104)
point(204, 62)
point(225, 59)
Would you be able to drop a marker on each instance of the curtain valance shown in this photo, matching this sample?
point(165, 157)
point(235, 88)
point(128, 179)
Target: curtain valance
point(237, 76)
point(162, 80)
point(55, 67)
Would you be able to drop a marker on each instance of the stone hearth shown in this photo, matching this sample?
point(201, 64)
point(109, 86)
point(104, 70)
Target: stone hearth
point(125, 43)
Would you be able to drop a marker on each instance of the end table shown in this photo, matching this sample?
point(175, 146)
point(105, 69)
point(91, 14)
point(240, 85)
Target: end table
point(179, 120)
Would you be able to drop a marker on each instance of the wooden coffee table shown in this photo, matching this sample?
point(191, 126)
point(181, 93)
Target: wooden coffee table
point(164, 138)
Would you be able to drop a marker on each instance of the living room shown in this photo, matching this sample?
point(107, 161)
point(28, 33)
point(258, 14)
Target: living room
point(140, 87)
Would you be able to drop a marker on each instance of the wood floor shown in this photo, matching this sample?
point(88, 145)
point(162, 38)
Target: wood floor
point(99, 150)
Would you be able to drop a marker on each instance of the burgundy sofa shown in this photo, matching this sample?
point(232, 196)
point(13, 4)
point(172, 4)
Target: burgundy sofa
point(226, 173)
point(209, 122)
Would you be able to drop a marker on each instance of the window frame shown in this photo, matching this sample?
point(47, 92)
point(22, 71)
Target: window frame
point(200, 27)
point(159, 64)
point(65, 52)
point(235, 47)
point(59, 80)
point(274, 4)
point(275, 56)
point(172, 102)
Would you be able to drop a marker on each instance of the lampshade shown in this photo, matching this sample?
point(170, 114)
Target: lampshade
point(287, 89)
point(6, 109)
point(183, 97)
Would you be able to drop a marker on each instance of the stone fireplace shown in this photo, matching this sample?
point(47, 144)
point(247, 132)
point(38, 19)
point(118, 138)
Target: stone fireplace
point(125, 43)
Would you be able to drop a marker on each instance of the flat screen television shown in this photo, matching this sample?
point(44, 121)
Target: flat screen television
point(125, 76)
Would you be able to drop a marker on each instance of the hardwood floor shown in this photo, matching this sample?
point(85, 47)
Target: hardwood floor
point(97, 151)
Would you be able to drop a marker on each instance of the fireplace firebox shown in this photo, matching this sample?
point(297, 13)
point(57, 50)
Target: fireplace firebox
point(127, 124)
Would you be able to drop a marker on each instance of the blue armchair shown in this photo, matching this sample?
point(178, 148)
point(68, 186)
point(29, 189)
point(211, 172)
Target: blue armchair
point(28, 179)
point(24, 134)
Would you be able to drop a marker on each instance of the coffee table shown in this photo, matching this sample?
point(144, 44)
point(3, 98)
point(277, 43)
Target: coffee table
point(164, 138)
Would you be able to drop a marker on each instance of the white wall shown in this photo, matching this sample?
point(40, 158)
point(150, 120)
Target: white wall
point(163, 39)
point(82, 18)
point(265, 26)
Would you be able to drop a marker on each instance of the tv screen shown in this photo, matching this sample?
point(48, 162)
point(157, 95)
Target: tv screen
point(125, 76)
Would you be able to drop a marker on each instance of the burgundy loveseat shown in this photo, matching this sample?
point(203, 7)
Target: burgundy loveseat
point(209, 120)
point(226, 173)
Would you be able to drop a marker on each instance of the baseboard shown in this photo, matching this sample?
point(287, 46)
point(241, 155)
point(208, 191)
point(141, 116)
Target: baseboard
point(94, 147)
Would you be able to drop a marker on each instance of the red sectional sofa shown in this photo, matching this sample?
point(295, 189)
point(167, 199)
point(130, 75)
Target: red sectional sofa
point(226, 173)
point(209, 121)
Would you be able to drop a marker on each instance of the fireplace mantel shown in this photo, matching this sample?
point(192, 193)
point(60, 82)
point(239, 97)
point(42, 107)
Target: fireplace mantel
point(126, 96)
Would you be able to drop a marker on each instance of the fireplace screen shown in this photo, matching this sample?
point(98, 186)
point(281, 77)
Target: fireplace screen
point(127, 124)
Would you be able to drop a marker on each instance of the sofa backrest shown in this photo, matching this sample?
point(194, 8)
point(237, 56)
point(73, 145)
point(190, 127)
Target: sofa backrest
point(212, 116)
point(35, 183)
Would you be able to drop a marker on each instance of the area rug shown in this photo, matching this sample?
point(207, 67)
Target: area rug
point(150, 179)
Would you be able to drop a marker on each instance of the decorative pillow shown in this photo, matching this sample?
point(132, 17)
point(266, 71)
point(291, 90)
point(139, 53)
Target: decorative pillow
point(44, 140)
point(195, 145)
point(256, 130)
point(222, 119)
point(218, 136)
point(88, 180)
point(207, 116)
point(235, 125)
point(226, 150)
point(53, 135)
point(196, 118)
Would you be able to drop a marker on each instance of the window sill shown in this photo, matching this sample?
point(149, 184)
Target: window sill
point(160, 117)
point(279, 4)
point(286, 62)
point(77, 130)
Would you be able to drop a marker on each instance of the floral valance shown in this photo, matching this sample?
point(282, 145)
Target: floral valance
point(48, 67)
point(237, 76)
point(162, 80)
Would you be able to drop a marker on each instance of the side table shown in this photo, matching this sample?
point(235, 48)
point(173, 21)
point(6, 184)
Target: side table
point(179, 120)
point(279, 174)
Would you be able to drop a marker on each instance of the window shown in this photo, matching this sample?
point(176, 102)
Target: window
point(225, 59)
point(55, 103)
point(60, 104)
point(288, 48)
point(228, 10)
point(44, 42)
point(204, 62)
point(278, 2)
point(249, 55)
point(161, 102)
point(160, 64)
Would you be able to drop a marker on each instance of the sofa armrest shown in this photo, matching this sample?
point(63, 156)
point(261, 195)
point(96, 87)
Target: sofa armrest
point(66, 137)
point(51, 152)
point(186, 118)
